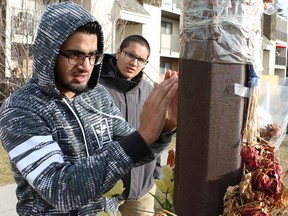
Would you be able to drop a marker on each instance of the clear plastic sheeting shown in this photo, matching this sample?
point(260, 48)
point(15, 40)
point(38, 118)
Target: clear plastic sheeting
point(222, 31)
point(271, 7)
point(273, 107)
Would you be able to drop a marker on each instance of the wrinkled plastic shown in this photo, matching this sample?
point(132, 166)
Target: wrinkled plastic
point(222, 31)
point(273, 107)
point(270, 7)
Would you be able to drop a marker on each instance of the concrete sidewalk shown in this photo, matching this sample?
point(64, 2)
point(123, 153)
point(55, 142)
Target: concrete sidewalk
point(8, 200)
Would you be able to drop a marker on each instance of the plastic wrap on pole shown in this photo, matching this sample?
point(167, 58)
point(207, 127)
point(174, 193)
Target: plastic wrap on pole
point(221, 31)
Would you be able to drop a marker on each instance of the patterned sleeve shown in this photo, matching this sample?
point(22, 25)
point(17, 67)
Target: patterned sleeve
point(39, 159)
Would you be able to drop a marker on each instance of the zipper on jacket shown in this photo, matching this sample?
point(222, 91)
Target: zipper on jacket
point(126, 108)
point(81, 126)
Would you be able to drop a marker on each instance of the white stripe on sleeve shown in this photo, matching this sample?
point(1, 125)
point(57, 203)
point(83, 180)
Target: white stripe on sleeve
point(28, 144)
point(37, 155)
point(33, 175)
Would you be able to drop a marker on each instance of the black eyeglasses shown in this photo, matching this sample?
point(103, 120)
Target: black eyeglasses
point(78, 58)
point(131, 57)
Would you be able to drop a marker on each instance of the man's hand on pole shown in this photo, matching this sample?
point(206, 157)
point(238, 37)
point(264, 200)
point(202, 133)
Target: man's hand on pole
point(171, 114)
point(160, 109)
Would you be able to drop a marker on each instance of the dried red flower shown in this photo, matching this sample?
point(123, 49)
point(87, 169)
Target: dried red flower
point(249, 156)
point(274, 189)
point(260, 181)
point(171, 158)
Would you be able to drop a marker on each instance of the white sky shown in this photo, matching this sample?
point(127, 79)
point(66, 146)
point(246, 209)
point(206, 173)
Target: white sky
point(283, 4)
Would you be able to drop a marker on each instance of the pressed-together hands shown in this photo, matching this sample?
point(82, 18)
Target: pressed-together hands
point(171, 114)
point(160, 109)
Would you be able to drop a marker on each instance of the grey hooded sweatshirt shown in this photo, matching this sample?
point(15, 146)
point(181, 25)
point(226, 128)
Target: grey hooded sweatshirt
point(129, 96)
point(65, 154)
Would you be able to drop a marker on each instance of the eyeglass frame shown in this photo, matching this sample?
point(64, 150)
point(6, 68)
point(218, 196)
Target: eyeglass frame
point(139, 58)
point(79, 54)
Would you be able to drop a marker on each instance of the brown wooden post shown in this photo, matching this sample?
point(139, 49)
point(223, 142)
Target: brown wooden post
point(208, 136)
point(210, 114)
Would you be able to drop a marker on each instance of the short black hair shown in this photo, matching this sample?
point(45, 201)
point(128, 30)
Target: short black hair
point(90, 28)
point(137, 39)
point(93, 28)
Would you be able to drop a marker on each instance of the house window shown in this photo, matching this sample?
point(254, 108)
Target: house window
point(23, 23)
point(164, 66)
point(166, 28)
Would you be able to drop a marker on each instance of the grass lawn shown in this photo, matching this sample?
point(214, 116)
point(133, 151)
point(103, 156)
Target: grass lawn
point(5, 171)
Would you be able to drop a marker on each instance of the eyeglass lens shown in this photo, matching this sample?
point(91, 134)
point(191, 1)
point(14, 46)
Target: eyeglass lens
point(79, 58)
point(131, 56)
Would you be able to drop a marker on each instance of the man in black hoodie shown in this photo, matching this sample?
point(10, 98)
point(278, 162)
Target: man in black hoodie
point(122, 76)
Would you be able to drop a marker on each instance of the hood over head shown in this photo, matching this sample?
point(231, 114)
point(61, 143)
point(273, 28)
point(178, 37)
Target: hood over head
point(58, 22)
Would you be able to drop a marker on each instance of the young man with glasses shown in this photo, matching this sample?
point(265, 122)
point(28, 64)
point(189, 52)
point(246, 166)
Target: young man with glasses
point(66, 140)
point(122, 76)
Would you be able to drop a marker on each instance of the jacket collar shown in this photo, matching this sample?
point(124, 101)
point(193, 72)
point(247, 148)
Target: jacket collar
point(109, 71)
